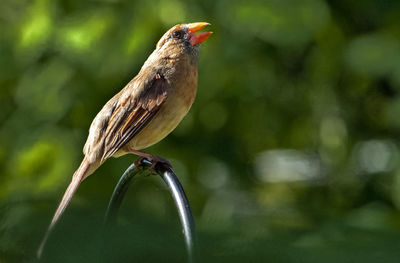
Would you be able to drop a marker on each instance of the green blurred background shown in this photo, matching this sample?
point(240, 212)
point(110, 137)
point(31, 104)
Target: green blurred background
point(289, 154)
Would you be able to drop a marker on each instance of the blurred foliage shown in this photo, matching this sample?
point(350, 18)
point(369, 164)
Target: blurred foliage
point(289, 154)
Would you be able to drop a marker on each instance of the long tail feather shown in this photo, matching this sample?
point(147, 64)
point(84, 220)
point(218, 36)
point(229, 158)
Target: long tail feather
point(80, 174)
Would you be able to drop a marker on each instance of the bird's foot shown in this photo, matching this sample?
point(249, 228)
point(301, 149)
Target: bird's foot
point(155, 160)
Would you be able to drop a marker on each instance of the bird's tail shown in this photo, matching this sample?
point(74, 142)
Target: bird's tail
point(84, 170)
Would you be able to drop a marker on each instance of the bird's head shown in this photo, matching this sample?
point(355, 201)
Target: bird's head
point(182, 38)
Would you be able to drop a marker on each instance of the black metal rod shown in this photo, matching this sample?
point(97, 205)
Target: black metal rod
point(119, 193)
point(177, 193)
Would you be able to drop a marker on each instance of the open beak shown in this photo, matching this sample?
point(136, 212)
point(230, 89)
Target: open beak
point(198, 38)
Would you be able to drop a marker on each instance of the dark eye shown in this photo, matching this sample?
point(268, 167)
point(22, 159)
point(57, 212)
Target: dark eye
point(177, 34)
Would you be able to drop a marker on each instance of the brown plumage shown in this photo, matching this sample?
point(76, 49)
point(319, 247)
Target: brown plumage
point(146, 110)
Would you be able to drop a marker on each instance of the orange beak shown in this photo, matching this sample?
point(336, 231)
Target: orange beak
point(198, 38)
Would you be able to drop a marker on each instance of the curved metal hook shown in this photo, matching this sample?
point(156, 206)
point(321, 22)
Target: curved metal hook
point(176, 190)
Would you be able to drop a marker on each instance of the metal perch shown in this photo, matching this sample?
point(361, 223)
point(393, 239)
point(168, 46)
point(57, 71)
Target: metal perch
point(176, 190)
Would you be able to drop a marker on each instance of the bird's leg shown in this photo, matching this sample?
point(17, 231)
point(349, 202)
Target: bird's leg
point(154, 159)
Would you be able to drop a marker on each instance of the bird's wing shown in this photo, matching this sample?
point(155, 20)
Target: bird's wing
point(134, 114)
point(126, 115)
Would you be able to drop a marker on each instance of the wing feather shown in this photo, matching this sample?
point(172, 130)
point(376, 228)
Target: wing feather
point(125, 115)
point(133, 115)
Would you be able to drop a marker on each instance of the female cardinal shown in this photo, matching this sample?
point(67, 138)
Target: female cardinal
point(146, 110)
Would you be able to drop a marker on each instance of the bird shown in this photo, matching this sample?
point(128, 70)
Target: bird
point(145, 111)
